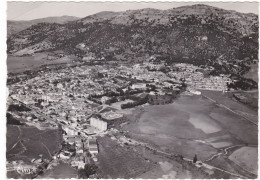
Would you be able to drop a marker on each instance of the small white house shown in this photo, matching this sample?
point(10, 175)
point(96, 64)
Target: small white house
point(138, 86)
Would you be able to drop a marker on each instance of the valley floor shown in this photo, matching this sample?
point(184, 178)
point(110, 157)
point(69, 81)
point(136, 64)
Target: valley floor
point(195, 125)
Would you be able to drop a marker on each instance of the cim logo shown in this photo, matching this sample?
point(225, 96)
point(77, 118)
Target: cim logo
point(26, 170)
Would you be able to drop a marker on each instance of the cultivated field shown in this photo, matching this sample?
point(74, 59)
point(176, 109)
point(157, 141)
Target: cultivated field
point(16, 64)
point(253, 72)
point(12, 136)
point(115, 161)
point(227, 100)
point(194, 125)
point(246, 158)
point(168, 168)
point(25, 143)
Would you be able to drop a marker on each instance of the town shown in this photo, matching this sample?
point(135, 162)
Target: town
point(88, 101)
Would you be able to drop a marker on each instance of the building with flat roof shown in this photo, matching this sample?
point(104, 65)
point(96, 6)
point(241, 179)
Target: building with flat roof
point(92, 145)
point(98, 123)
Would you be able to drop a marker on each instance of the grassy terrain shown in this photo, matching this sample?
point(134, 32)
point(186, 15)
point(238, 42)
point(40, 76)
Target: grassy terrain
point(246, 157)
point(118, 162)
point(235, 125)
point(169, 127)
point(13, 174)
point(61, 171)
point(193, 125)
point(253, 72)
point(30, 143)
point(227, 100)
point(251, 99)
point(12, 136)
point(167, 167)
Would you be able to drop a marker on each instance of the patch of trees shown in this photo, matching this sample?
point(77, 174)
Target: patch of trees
point(68, 147)
point(243, 84)
point(13, 80)
point(160, 99)
point(141, 101)
point(88, 170)
point(20, 108)
point(12, 120)
point(94, 100)
point(112, 100)
point(150, 87)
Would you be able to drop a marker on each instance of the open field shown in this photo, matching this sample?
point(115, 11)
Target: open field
point(169, 127)
point(12, 136)
point(30, 143)
point(246, 158)
point(227, 100)
point(251, 98)
point(115, 161)
point(167, 168)
point(193, 125)
point(16, 64)
point(61, 171)
point(13, 174)
point(253, 72)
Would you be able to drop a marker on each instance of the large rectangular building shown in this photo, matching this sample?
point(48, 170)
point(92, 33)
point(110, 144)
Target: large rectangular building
point(92, 144)
point(98, 123)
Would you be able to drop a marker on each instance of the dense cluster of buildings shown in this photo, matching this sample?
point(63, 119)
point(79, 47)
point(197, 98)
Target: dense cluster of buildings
point(196, 79)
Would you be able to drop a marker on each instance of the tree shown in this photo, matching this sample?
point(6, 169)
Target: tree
point(195, 159)
point(89, 170)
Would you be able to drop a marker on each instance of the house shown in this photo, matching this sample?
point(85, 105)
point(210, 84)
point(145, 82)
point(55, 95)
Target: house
point(204, 38)
point(78, 142)
point(98, 123)
point(85, 145)
point(104, 99)
point(69, 131)
point(79, 162)
point(88, 57)
point(64, 155)
point(79, 151)
point(78, 139)
point(138, 86)
point(70, 140)
point(59, 85)
point(195, 92)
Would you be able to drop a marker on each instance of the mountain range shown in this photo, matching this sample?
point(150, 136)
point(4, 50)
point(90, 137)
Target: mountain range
point(14, 27)
point(197, 34)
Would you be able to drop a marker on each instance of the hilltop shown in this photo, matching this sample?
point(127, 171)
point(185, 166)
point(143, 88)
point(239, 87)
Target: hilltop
point(14, 27)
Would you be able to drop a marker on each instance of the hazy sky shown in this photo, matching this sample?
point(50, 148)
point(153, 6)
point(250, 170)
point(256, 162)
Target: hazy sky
point(34, 10)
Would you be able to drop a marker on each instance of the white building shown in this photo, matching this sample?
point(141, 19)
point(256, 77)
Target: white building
point(195, 92)
point(98, 123)
point(138, 86)
point(69, 131)
point(63, 156)
point(104, 99)
point(92, 145)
